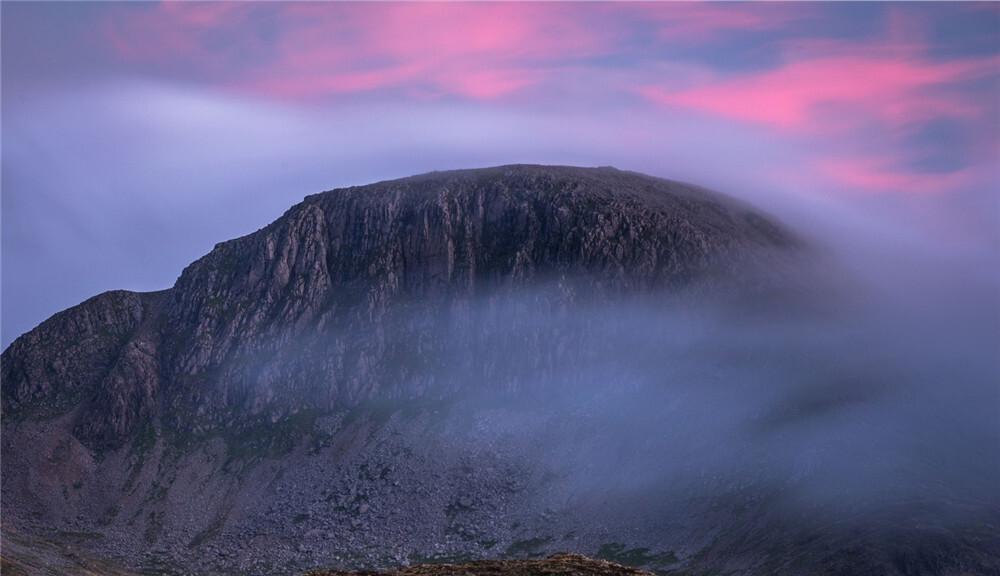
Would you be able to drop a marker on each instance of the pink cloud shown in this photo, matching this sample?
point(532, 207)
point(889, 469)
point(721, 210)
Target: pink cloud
point(862, 106)
point(865, 109)
point(881, 174)
point(478, 50)
point(178, 33)
point(836, 92)
point(705, 21)
point(474, 50)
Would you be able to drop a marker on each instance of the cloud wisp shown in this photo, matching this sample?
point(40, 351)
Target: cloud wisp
point(129, 129)
point(862, 102)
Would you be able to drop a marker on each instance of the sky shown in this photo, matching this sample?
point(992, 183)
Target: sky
point(135, 136)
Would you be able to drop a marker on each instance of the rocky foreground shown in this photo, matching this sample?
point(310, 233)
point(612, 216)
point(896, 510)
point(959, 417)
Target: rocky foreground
point(33, 556)
point(555, 565)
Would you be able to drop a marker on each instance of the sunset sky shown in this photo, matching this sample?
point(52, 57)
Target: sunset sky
point(137, 135)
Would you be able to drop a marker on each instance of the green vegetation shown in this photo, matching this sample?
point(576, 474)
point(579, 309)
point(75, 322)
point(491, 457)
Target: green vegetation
point(527, 548)
point(213, 529)
point(468, 535)
point(108, 517)
point(380, 410)
point(617, 553)
point(142, 444)
point(156, 493)
point(266, 440)
point(60, 454)
point(255, 439)
point(76, 537)
point(153, 528)
point(416, 558)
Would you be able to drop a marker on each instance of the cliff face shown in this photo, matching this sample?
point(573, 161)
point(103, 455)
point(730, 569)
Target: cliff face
point(337, 301)
point(96, 353)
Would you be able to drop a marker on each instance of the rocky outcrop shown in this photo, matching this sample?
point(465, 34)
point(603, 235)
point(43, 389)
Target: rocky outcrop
point(576, 564)
point(96, 354)
point(318, 306)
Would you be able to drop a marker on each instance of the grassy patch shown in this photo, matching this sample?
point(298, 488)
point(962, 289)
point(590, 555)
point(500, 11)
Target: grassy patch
point(210, 532)
point(145, 439)
point(108, 517)
point(77, 537)
point(153, 527)
point(617, 553)
point(416, 558)
point(266, 440)
point(141, 445)
point(527, 548)
point(60, 454)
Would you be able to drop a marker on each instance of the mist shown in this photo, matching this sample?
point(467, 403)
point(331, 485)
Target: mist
point(870, 389)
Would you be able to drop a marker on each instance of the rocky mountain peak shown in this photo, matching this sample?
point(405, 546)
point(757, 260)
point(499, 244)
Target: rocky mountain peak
point(305, 305)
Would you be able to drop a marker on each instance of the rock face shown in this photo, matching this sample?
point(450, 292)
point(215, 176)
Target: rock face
point(317, 310)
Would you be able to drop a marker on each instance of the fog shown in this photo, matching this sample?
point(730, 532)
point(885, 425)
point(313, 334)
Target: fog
point(874, 384)
point(123, 189)
point(885, 382)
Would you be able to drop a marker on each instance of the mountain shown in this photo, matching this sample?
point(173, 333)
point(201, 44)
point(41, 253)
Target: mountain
point(280, 309)
point(509, 362)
